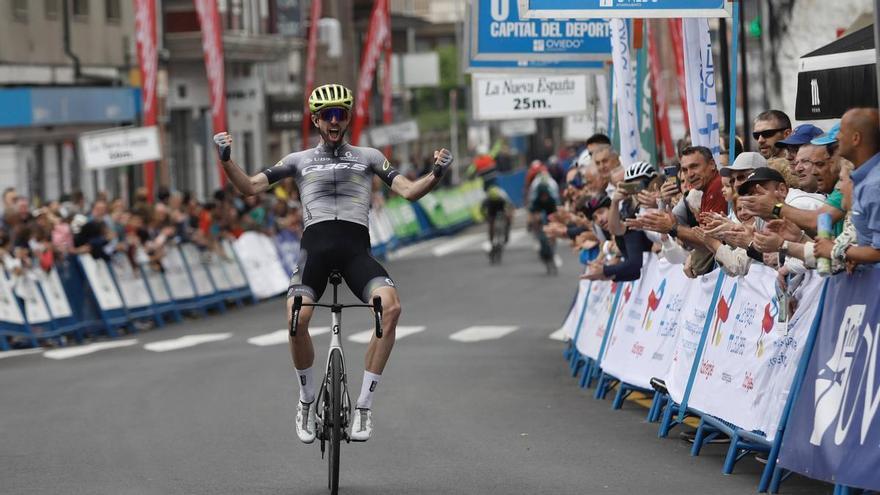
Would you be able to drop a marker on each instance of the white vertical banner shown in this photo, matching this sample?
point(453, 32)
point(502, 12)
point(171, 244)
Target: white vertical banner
point(131, 284)
point(53, 289)
point(625, 92)
point(99, 278)
point(570, 325)
point(699, 71)
point(600, 302)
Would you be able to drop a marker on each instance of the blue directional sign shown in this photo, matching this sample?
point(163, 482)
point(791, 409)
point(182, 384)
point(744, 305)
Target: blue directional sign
point(593, 9)
point(498, 38)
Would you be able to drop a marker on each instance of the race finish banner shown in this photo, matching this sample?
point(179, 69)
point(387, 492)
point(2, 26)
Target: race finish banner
point(833, 431)
point(496, 38)
point(502, 97)
point(597, 9)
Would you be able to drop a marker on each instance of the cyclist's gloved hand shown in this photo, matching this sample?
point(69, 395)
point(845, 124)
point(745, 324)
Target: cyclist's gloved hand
point(442, 160)
point(224, 145)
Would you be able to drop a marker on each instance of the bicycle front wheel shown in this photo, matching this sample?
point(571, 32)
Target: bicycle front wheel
point(334, 392)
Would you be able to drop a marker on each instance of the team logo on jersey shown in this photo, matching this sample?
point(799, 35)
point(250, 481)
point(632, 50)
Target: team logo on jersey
point(328, 167)
point(348, 154)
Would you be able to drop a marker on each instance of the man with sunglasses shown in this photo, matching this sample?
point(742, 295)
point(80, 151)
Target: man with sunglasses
point(335, 180)
point(769, 128)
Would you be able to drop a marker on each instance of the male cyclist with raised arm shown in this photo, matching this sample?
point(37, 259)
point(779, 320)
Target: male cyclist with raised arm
point(335, 183)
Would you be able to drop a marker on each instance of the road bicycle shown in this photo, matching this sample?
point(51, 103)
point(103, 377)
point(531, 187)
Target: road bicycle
point(333, 407)
point(499, 237)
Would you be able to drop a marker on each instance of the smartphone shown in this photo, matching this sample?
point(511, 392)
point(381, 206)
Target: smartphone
point(671, 173)
point(631, 187)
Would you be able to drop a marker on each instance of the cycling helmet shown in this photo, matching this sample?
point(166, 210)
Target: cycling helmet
point(585, 158)
point(639, 170)
point(330, 95)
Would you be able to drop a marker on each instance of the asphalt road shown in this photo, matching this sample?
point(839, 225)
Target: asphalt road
point(451, 416)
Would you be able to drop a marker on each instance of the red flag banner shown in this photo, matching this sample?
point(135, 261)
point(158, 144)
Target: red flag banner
point(311, 59)
point(212, 45)
point(387, 115)
point(661, 107)
point(148, 60)
point(678, 47)
point(379, 30)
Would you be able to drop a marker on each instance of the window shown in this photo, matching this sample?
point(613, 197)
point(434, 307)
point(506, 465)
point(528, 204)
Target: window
point(80, 8)
point(113, 10)
point(52, 8)
point(20, 10)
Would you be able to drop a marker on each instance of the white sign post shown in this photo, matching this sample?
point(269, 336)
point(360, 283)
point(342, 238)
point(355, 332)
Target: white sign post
point(524, 127)
point(107, 149)
point(504, 97)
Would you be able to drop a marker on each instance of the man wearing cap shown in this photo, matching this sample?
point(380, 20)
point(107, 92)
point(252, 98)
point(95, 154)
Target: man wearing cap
point(820, 160)
point(801, 135)
point(743, 166)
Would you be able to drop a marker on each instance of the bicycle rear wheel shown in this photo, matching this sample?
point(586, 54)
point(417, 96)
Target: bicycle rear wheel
point(334, 392)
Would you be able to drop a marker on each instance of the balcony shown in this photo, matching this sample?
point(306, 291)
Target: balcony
point(237, 46)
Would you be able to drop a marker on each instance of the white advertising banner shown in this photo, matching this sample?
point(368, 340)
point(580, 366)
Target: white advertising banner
point(690, 328)
point(600, 303)
point(35, 308)
point(699, 70)
point(230, 264)
point(9, 310)
point(641, 343)
point(177, 276)
point(504, 97)
point(106, 149)
point(131, 284)
point(200, 276)
point(381, 228)
point(521, 127)
point(570, 325)
point(155, 278)
point(53, 290)
point(262, 267)
point(98, 275)
point(750, 357)
point(625, 92)
point(401, 132)
point(218, 272)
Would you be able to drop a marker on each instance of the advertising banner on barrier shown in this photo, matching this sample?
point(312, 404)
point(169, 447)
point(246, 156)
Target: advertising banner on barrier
point(702, 99)
point(218, 272)
point(233, 269)
point(179, 283)
point(592, 329)
point(833, 431)
point(53, 290)
point(690, 327)
point(101, 282)
point(155, 278)
point(35, 308)
point(204, 286)
point(403, 218)
point(502, 97)
point(261, 264)
point(641, 344)
point(748, 350)
point(9, 310)
point(496, 35)
point(570, 325)
point(589, 9)
point(130, 282)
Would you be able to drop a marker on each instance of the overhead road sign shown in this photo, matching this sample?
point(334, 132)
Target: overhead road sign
point(118, 147)
point(506, 96)
point(497, 38)
point(597, 9)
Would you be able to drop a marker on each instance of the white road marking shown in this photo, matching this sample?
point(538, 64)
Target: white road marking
point(559, 335)
point(21, 352)
point(82, 350)
point(401, 332)
point(185, 341)
point(279, 337)
point(423, 247)
point(483, 332)
point(457, 244)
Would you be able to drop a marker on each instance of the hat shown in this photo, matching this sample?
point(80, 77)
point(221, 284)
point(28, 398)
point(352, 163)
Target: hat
point(802, 134)
point(748, 160)
point(591, 204)
point(760, 175)
point(829, 137)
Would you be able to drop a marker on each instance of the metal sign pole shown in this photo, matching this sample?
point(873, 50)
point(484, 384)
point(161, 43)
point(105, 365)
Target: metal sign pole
point(877, 43)
point(733, 80)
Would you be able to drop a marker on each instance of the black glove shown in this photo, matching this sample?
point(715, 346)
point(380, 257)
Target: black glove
point(224, 145)
point(442, 160)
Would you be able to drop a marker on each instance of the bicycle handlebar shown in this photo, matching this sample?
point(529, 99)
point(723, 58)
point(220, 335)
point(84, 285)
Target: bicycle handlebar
point(298, 305)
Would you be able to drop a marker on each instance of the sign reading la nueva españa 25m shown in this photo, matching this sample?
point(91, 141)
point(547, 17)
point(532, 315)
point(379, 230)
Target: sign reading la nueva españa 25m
point(501, 97)
point(497, 33)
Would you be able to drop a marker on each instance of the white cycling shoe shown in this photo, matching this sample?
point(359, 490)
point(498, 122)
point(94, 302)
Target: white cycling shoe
point(362, 426)
point(305, 421)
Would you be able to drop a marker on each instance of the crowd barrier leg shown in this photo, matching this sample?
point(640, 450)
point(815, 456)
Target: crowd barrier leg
point(657, 407)
point(624, 390)
point(587, 374)
point(605, 384)
point(672, 416)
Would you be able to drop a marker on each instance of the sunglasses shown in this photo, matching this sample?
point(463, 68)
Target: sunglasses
point(328, 114)
point(769, 133)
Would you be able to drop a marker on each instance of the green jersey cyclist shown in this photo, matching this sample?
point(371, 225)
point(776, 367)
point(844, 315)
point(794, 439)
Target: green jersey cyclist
point(335, 183)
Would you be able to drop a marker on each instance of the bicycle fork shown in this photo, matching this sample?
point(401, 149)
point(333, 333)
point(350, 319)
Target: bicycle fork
point(323, 407)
